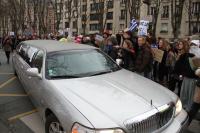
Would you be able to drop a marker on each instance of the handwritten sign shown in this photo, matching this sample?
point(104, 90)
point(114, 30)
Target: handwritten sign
point(142, 29)
point(158, 54)
point(12, 33)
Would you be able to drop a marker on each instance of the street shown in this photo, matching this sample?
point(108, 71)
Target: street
point(17, 114)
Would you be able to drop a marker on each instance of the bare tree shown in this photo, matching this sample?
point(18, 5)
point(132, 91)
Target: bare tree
point(85, 16)
point(16, 14)
point(133, 7)
point(193, 15)
point(156, 4)
point(101, 9)
point(176, 16)
point(58, 7)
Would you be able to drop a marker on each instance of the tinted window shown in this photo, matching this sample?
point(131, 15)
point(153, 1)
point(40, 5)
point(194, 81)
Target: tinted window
point(38, 60)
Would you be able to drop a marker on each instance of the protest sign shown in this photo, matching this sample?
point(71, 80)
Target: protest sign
point(158, 54)
point(12, 33)
point(143, 27)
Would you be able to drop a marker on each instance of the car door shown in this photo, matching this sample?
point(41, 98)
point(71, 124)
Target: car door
point(21, 62)
point(30, 53)
point(36, 83)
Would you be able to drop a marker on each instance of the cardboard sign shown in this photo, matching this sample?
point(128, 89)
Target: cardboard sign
point(12, 33)
point(99, 38)
point(143, 27)
point(158, 54)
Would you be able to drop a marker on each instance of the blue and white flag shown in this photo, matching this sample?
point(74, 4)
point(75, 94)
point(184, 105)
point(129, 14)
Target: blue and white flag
point(133, 25)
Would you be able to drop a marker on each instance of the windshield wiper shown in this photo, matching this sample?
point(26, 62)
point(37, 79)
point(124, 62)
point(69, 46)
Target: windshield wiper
point(102, 72)
point(64, 76)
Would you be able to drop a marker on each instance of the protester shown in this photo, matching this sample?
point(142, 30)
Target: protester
point(110, 47)
point(128, 35)
point(127, 54)
point(7, 46)
point(99, 42)
point(162, 67)
point(176, 78)
point(144, 58)
point(183, 67)
point(196, 100)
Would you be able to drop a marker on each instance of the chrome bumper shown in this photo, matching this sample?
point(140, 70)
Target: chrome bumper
point(179, 123)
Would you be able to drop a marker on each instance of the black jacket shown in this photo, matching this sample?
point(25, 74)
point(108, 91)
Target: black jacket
point(182, 66)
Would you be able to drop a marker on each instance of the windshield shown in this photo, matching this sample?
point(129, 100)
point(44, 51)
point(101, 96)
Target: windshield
point(76, 64)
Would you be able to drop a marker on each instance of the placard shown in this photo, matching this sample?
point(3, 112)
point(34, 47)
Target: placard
point(158, 54)
point(143, 27)
point(12, 33)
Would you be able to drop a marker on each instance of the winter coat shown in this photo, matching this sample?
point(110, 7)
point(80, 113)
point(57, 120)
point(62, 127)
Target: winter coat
point(144, 59)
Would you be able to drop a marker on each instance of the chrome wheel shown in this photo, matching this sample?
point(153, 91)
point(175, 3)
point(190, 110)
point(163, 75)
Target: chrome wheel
point(55, 127)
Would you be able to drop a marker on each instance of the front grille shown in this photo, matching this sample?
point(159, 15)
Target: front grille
point(152, 122)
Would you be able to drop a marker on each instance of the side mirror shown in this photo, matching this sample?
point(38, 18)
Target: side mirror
point(33, 72)
point(119, 62)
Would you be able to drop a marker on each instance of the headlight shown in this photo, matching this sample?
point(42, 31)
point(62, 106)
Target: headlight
point(178, 107)
point(77, 128)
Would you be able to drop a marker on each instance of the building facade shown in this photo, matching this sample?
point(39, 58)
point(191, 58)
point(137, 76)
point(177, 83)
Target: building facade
point(90, 16)
point(190, 21)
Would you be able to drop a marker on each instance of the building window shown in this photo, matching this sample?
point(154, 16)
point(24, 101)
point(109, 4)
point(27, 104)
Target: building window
point(74, 24)
point(93, 6)
point(122, 2)
point(96, 6)
point(195, 8)
point(123, 14)
point(84, 8)
point(94, 27)
point(109, 26)
point(151, 10)
point(110, 4)
point(109, 15)
point(94, 17)
point(122, 26)
point(66, 24)
point(164, 28)
point(165, 13)
point(195, 28)
point(84, 18)
point(83, 26)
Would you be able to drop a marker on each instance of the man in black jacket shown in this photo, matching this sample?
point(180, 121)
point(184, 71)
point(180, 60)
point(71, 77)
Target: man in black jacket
point(144, 58)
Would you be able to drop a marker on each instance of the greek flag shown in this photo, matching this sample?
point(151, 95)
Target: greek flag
point(133, 25)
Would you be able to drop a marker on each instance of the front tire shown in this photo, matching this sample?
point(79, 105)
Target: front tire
point(52, 125)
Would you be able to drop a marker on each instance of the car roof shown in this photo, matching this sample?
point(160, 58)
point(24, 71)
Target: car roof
point(54, 46)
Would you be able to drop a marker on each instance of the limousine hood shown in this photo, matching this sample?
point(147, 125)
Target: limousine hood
point(110, 99)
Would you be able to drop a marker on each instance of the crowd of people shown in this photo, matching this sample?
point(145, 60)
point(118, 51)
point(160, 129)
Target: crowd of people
point(176, 70)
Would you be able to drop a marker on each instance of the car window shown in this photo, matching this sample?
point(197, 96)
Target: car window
point(23, 51)
point(30, 53)
point(37, 61)
point(18, 48)
point(78, 63)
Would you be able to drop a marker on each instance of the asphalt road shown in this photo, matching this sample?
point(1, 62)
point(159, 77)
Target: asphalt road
point(17, 113)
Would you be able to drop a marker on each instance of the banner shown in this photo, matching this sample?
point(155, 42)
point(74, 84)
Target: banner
point(143, 27)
